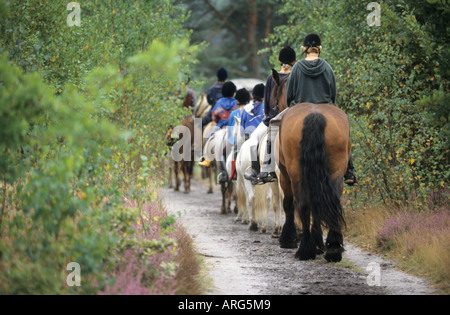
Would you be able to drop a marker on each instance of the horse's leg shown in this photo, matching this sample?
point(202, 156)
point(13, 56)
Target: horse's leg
point(307, 249)
point(230, 195)
point(288, 238)
point(316, 233)
point(276, 204)
point(260, 205)
point(235, 198)
point(223, 189)
point(170, 174)
point(335, 240)
point(335, 247)
point(210, 176)
point(187, 177)
point(241, 199)
point(177, 179)
point(252, 213)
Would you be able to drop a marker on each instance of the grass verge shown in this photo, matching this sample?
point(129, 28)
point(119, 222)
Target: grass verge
point(419, 241)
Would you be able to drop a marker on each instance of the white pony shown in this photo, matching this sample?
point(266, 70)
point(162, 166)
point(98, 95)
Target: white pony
point(213, 151)
point(254, 201)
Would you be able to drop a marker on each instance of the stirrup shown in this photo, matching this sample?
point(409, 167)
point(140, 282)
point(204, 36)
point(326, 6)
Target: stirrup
point(350, 180)
point(264, 178)
point(204, 162)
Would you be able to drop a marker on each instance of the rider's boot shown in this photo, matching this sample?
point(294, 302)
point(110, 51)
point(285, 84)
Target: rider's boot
point(350, 176)
point(267, 174)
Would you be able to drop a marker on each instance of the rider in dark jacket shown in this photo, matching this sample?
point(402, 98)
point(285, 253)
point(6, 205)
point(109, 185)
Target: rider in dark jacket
point(312, 81)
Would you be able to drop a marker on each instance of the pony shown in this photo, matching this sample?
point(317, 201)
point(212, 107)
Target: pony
point(254, 201)
point(314, 149)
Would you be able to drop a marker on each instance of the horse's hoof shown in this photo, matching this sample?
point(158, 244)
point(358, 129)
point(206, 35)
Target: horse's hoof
point(333, 257)
point(288, 245)
point(210, 191)
point(334, 254)
point(288, 240)
point(253, 227)
point(303, 256)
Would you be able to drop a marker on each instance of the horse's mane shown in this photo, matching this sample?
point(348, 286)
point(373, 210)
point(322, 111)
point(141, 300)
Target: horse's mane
point(278, 91)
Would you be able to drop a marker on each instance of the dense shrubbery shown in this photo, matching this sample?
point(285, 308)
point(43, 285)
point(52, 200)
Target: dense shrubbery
point(393, 81)
point(83, 116)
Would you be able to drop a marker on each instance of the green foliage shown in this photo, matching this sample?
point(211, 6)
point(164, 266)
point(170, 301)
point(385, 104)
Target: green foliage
point(393, 81)
point(84, 113)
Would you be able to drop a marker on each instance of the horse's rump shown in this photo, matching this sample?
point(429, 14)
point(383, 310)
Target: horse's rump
point(202, 108)
point(314, 153)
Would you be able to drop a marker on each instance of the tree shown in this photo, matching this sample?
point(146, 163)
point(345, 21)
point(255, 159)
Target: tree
point(235, 31)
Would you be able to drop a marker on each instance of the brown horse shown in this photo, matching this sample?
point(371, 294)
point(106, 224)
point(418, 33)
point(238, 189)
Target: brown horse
point(313, 157)
point(186, 165)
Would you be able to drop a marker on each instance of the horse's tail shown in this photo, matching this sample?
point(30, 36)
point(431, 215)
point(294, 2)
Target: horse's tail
point(316, 180)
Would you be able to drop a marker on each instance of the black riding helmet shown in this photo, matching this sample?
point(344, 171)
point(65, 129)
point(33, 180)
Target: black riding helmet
point(287, 56)
point(242, 96)
point(311, 40)
point(258, 92)
point(228, 89)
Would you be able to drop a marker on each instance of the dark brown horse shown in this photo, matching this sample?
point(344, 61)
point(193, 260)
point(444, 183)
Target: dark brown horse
point(314, 149)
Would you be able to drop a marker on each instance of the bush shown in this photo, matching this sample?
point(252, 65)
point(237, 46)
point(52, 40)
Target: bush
point(84, 115)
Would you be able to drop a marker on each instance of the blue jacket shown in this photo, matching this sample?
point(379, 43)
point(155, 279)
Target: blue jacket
point(251, 119)
point(222, 109)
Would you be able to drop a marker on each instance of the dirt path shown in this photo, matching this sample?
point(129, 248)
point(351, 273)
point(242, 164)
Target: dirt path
point(242, 262)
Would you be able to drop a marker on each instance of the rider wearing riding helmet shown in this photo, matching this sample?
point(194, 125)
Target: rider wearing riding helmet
point(312, 81)
point(214, 93)
point(287, 59)
point(253, 115)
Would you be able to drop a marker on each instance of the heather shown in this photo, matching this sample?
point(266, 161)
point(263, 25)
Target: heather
point(418, 240)
point(158, 257)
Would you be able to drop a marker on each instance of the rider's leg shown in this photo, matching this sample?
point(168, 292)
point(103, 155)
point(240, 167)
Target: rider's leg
point(267, 173)
point(255, 138)
point(350, 176)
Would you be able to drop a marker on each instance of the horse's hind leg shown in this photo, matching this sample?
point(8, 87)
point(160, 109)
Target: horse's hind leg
point(307, 249)
point(334, 246)
point(335, 240)
point(176, 169)
point(210, 177)
point(288, 238)
point(316, 233)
